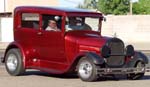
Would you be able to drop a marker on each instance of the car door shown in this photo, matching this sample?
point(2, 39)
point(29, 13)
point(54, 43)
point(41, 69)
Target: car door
point(27, 33)
point(52, 44)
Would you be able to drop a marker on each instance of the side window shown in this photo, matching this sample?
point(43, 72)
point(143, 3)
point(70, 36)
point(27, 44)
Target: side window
point(51, 22)
point(30, 20)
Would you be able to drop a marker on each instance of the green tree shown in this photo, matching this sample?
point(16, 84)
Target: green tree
point(141, 7)
point(117, 7)
point(88, 4)
point(121, 7)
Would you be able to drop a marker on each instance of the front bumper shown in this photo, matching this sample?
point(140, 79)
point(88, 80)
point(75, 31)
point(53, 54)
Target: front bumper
point(121, 70)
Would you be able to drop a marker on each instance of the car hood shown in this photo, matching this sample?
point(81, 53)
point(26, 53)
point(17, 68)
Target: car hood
point(87, 38)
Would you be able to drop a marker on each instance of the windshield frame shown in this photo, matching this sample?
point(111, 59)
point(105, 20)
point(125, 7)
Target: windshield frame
point(86, 14)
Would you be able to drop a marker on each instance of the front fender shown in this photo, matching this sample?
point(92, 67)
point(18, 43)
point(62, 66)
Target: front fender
point(139, 56)
point(91, 56)
point(95, 58)
point(143, 57)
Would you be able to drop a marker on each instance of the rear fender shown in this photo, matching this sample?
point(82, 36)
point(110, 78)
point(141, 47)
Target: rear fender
point(14, 45)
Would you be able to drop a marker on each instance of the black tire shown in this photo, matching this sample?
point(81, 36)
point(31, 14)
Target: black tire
point(93, 72)
point(136, 76)
point(14, 56)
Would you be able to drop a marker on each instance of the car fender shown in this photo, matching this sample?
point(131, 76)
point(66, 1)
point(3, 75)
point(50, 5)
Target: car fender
point(95, 58)
point(15, 45)
point(139, 56)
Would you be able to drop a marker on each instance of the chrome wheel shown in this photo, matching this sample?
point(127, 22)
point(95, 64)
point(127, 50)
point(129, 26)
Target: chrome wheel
point(85, 69)
point(140, 65)
point(12, 62)
point(136, 76)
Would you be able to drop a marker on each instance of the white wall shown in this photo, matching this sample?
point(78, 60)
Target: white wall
point(6, 27)
point(1, 6)
point(132, 29)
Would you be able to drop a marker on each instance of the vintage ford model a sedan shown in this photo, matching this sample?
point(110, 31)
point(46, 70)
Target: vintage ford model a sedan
point(75, 46)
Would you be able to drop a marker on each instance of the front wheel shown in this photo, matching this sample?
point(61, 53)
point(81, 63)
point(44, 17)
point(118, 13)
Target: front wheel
point(136, 76)
point(14, 62)
point(87, 70)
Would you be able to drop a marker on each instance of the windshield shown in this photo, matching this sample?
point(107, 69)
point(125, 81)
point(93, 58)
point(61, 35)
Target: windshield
point(82, 23)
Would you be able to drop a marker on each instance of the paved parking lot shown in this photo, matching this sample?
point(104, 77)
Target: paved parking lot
point(40, 79)
point(35, 78)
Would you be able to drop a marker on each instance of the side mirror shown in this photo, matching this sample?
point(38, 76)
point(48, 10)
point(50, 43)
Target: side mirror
point(105, 51)
point(130, 51)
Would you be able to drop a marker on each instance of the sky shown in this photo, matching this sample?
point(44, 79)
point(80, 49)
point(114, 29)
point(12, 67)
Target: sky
point(135, 0)
point(70, 3)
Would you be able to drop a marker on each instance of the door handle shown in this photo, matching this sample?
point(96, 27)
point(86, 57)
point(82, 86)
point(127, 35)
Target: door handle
point(39, 33)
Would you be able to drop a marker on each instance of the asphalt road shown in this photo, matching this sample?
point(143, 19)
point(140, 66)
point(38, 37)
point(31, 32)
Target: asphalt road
point(34, 78)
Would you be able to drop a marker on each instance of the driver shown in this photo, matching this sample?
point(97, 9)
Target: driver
point(52, 26)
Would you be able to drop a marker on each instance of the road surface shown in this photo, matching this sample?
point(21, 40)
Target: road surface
point(35, 78)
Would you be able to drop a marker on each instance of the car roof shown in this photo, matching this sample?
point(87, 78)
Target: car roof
point(60, 9)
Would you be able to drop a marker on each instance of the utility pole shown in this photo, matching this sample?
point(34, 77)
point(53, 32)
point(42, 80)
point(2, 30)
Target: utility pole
point(131, 7)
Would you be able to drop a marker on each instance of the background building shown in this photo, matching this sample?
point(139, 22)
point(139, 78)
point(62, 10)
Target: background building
point(9, 5)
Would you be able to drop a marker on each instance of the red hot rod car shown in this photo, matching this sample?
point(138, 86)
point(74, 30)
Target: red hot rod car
point(63, 40)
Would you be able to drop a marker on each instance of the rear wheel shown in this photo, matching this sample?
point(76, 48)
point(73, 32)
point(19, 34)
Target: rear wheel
point(14, 62)
point(87, 70)
point(136, 76)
